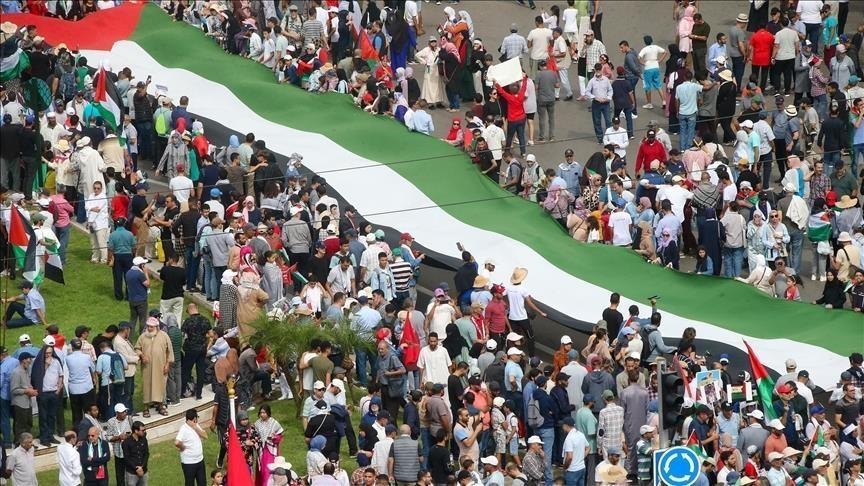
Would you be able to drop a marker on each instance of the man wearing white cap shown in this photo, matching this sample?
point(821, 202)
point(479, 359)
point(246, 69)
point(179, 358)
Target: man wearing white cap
point(117, 429)
point(775, 472)
point(494, 476)
point(487, 356)
point(754, 434)
point(52, 130)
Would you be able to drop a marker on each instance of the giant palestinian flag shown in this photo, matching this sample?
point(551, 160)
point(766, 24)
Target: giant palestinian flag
point(414, 183)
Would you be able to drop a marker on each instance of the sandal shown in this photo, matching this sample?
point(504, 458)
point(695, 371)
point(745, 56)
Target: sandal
point(163, 411)
point(146, 413)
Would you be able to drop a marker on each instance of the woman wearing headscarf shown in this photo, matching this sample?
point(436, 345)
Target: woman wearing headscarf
point(228, 298)
point(401, 85)
point(704, 262)
point(315, 459)
point(452, 67)
point(667, 250)
point(433, 84)
point(175, 152)
point(760, 276)
point(270, 433)
point(461, 30)
point(455, 344)
point(577, 221)
point(710, 238)
point(251, 300)
point(478, 65)
point(755, 245)
point(251, 214)
point(833, 296)
point(248, 437)
point(678, 77)
point(685, 28)
point(456, 134)
point(819, 234)
point(413, 86)
point(558, 200)
point(401, 108)
point(224, 156)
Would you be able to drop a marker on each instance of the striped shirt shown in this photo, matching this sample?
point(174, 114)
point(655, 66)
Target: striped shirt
point(643, 459)
point(402, 274)
point(514, 45)
point(312, 31)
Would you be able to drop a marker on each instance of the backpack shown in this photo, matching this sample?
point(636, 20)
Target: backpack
point(646, 344)
point(534, 418)
point(161, 125)
point(118, 369)
point(201, 249)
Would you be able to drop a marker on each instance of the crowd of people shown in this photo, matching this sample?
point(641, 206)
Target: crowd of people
point(455, 391)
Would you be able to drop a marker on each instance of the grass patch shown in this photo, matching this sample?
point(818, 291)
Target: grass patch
point(88, 299)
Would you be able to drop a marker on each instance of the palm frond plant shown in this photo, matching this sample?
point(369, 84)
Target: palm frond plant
point(287, 339)
point(349, 337)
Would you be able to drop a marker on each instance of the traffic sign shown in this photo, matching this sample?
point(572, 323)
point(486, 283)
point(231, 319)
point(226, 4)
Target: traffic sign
point(676, 466)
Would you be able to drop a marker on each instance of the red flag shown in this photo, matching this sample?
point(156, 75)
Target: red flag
point(323, 56)
point(551, 62)
point(366, 48)
point(410, 344)
point(238, 470)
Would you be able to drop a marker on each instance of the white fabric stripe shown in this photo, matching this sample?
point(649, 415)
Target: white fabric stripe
point(434, 228)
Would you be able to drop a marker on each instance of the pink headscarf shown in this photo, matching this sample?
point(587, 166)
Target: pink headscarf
point(245, 209)
point(450, 47)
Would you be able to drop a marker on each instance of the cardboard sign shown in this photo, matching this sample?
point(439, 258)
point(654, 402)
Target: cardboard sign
point(508, 72)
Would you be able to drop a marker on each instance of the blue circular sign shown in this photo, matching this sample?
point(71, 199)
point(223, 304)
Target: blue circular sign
point(679, 466)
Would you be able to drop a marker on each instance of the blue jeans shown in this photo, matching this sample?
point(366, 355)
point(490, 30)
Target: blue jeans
point(820, 103)
point(548, 437)
point(628, 118)
point(688, 131)
point(796, 245)
point(574, 478)
point(857, 149)
point(48, 403)
point(362, 357)
point(598, 109)
point(452, 98)
point(145, 139)
point(122, 264)
point(738, 69)
point(634, 81)
point(812, 31)
point(15, 322)
point(210, 292)
point(6, 422)
point(733, 260)
point(426, 442)
point(192, 263)
point(216, 280)
point(830, 159)
point(128, 390)
point(516, 128)
point(63, 240)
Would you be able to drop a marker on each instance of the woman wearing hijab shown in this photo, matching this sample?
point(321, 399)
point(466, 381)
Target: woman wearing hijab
point(678, 77)
point(456, 135)
point(371, 14)
point(461, 30)
point(833, 296)
point(270, 433)
point(224, 155)
point(710, 238)
point(760, 276)
point(577, 221)
point(755, 245)
point(433, 83)
point(685, 28)
point(252, 299)
point(413, 92)
point(400, 40)
point(478, 66)
point(251, 214)
point(228, 298)
point(667, 250)
point(452, 67)
point(558, 201)
point(248, 436)
point(315, 459)
point(455, 344)
point(223, 368)
point(175, 152)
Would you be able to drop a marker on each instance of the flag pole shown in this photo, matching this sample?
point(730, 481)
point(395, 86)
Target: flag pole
point(3, 304)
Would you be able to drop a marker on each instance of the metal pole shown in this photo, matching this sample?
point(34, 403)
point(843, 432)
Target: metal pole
point(661, 368)
point(232, 397)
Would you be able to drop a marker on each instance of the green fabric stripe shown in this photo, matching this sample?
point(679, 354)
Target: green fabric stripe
point(455, 180)
point(20, 256)
point(765, 389)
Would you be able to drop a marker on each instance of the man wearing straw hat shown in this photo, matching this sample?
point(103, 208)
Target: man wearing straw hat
point(519, 297)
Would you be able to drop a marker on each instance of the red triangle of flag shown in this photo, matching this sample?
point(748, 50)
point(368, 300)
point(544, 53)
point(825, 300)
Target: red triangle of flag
point(367, 50)
point(323, 56)
point(238, 470)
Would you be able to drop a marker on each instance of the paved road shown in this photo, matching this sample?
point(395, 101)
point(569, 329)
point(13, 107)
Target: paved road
point(622, 20)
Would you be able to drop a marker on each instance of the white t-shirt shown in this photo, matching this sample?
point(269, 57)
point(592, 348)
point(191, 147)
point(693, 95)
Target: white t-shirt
point(410, 12)
point(651, 54)
point(516, 295)
point(809, 11)
point(307, 372)
point(786, 40)
point(444, 314)
point(435, 364)
point(620, 222)
point(181, 186)
point(539, 38)
point(570, 16)
point(192, 452)
point(576, 443)
point(730, 192)
point(269, 55)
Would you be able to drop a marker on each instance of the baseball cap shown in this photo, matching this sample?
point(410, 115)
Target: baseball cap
point(607, 394)
point(514, 351)
point(534, 439)
point(757, 414)
point(724, 358)
point(491, 344)
point(588, 398)
point(139, 261)
point(785, 388)
point(568, 420)
point(49, 341)
point(776, 424)
point(566, 340)
point(490, 460)
point(498, 401)
point(512, 336)
point(23, 338)
point(406, 236)
point(645, 429)
point(318, 385)
point(817, 409)
point(439, 292)
point(120, 408)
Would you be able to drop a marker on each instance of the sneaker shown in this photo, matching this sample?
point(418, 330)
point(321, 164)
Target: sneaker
point(813, 277)
point(634, 116)
point(822, 278)
point(175, 404)
point(648, 106)
point(530, 142)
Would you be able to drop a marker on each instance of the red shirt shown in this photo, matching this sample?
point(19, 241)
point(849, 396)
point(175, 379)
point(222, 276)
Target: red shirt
point(647, 153)
point(761, 44)
point(515, 110)
point(496, 315)
point(119, 206)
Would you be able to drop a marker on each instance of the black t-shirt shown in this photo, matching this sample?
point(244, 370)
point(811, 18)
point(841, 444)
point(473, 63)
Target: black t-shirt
point(439, 458)
point(173, 280)
point(170, 214)
point(98, 340)
point(324, 425)
point(138, 205)
point(614, 320)
point(455, 386)
point(320, 267)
